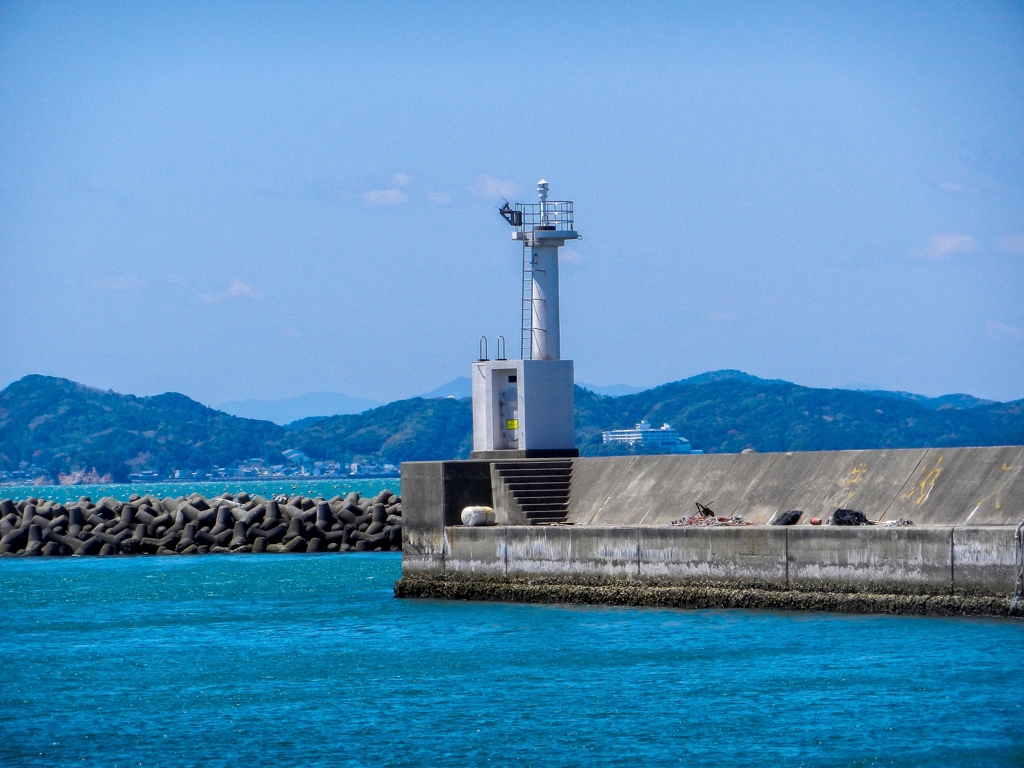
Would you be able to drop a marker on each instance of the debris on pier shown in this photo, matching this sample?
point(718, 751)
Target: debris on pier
point(786, 518)
point(848, 517)
point(706, 516)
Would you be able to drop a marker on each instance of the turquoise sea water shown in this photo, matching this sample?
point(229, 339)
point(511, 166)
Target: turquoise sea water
point(121, 491)
point(245, 660)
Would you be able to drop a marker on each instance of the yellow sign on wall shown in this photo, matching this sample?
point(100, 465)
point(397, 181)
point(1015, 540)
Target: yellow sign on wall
point(512, 424)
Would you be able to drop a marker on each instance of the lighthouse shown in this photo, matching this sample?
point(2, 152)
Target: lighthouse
point(524, 408)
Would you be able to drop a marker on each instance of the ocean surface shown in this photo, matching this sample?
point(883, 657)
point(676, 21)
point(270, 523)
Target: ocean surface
point(274, 660)
point(121, 491)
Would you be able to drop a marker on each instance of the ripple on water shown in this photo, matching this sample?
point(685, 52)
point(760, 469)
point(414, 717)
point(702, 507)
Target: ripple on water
point(237, 660)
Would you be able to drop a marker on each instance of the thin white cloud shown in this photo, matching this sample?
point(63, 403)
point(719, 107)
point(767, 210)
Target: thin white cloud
point(957, 189)
point(1012, 244)
point(570, 256)
point(384, 197)
point(439, 198)
point(239, 289)
point(1003, 332)
point(941, 246)
point(490, 188)
point(124, 283)
point(176, 279)
point(236, 290)
point(401, 179)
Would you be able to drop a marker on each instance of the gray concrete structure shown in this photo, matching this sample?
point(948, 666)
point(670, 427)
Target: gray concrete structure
point(727, 555)
point(977, 486)
point(440, 490)
point(931, 560)
point(523, 408)
point(964, 503)
point(912, 559)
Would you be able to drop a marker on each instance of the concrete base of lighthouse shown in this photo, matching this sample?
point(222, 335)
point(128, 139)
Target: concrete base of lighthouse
point(567, 453)
point(523, 409)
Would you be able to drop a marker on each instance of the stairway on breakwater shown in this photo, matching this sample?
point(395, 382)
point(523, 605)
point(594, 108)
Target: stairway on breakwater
point(535, 491)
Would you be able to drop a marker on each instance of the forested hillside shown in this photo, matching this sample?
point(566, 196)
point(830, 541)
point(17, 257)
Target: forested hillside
point(405, 430)
point(728, 411)
point(59, 426)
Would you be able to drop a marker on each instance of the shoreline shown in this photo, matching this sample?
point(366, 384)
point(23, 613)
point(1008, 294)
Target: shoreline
point(704, 596)
point(313, 488)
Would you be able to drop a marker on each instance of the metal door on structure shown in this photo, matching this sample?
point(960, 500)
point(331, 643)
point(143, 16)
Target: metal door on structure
point(510, 414)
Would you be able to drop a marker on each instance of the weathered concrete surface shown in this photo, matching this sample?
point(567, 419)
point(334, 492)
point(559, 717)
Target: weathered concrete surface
point(819, 483)
point(716, 554)
point(593, 480)
point(606, 552)
point(964, 486)
point(438, 491)
point(984, 559)
point(478, 551)
point(539, 551)
point(423, 508)
point(954, 486)
point(655, 490)
point(925, 560)
point(912, 559)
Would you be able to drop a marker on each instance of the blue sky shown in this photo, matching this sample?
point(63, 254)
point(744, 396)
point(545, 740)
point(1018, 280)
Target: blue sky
point(265, 199)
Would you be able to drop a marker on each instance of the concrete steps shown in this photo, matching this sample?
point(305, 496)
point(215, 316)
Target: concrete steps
point(540, 488)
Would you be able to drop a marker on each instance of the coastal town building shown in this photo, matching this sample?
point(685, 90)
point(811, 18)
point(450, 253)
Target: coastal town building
point(665, 439)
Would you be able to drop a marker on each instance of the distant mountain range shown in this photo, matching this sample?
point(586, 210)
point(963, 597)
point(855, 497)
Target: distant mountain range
point(303, 409)
point(291, 409)
point(462, 387)
point(615, 390)
point(58, 425)
point(935, 403)
point(727, 411)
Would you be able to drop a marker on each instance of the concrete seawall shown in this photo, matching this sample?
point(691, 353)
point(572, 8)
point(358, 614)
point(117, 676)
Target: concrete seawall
point(953, 486)
point(926, 560)
point(960, 556)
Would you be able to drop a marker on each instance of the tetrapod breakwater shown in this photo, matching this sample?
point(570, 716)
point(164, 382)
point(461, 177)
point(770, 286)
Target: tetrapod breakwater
point(239, 523)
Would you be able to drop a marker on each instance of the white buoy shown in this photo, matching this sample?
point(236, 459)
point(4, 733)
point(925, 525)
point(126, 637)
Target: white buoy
point(475, 516)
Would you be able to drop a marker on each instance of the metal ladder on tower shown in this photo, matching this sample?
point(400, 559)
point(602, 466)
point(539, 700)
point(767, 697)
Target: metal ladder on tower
point(526, 336)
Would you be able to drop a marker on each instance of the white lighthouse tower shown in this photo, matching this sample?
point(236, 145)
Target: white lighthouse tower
point(524, 408)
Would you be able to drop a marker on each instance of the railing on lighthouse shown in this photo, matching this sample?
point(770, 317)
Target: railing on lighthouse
point(546, 215)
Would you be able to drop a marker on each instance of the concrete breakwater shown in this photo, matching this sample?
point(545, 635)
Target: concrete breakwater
point(942, 537)
point(934, 570)
point(199, 525)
